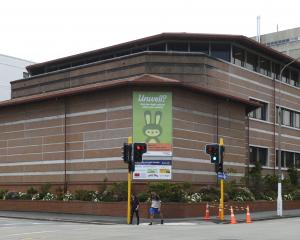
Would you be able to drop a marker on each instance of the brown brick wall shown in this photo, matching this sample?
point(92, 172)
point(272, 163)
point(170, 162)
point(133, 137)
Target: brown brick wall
point(119, 209)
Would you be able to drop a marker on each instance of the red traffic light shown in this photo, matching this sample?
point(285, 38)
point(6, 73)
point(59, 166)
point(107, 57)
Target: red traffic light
point(140, 147)
point(138, 150)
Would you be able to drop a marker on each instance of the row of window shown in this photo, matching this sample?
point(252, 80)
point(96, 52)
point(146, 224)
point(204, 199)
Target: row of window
point(288, 117)
point(288, 159)
point(226, 51)
point(264, 66)
point(283, 41)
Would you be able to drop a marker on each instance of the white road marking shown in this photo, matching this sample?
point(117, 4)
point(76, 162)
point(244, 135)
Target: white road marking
point(28, 233)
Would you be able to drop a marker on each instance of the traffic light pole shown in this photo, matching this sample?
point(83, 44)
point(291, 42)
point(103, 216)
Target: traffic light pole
point(129, 188)
point(222, 185)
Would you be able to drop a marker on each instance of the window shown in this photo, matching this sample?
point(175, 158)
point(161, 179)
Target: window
point(260, 113)
point(285, 76)
point(238, 55)
point(258, 154)
point(289, 159)
point(289, 117)
point(220, 51)
point(275, 70)
point(265, 66)
point(294, 78)
point(297, 120)
point(178, 46)
point(297, 160)
point(158, 47)
point(286, 117)
point(199, 47)
point(282, 158)
point(252, 61)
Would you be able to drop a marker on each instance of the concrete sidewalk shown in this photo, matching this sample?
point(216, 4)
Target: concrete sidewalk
point(107, 220)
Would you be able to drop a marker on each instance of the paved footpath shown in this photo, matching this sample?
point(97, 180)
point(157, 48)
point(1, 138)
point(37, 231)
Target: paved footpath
point(92, 219)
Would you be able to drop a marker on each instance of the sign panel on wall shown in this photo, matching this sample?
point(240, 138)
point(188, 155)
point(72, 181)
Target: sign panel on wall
point(153, 169)
point(152, 123)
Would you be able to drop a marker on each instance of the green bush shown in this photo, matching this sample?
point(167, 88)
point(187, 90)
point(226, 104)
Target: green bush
point(115, 192)
point(168, 192)
point(12, 195)
point(143, 196)
point(59, 193)
point(45, 188)
point(83, 195)
point(270, 183)
point(241, 194)
point(297, 195)
point(3, 193)
point(256, 183)
point(31, 191)
point(210, 194)
point(293, 175)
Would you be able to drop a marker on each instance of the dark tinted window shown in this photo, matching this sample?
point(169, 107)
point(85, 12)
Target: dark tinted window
point(158, 47)
point(178, 46)
point(252, 61)
point(294, 78)
point(238, 55)
point(258, 154)
point(260, 113)
point(264, 66)
point(221, 51)
point(199, 47)
point(275, 70)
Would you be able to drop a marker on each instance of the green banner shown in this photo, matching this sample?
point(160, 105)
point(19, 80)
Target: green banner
point(152, 119)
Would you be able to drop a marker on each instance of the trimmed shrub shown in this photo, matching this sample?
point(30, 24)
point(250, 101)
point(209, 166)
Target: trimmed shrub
point(2, 194)
point(83, 195)
point(210, 194)
point(168, 192)
point(241, 194)
point(143, 197)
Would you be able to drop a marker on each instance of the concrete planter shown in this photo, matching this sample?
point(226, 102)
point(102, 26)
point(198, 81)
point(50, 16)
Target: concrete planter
point(119, 209)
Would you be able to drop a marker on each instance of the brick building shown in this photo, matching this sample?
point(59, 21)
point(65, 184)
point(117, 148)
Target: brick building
point(67, 122)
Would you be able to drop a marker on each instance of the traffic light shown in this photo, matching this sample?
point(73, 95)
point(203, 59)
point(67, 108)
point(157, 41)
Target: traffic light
point(138, 150)
point(127, 149)
point(214, 151)
point(219, 167)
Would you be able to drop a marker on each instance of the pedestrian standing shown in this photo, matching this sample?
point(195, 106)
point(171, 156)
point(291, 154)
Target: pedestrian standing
point(155, 208)
point(135, 204)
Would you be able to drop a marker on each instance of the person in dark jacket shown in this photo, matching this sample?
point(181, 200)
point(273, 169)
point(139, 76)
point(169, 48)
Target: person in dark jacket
point(135, 204)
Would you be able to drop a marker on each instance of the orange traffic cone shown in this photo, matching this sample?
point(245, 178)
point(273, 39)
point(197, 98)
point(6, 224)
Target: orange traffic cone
point(248, 217)
point(220, 212)
point(207, 217)
point(232, 217)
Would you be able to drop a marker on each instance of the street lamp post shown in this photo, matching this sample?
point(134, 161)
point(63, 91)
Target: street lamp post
point(279, 193)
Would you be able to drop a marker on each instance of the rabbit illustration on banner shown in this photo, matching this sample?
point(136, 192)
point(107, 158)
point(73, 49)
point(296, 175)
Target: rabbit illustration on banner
point(152, 130)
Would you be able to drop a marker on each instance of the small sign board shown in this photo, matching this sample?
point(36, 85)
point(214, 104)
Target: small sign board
point(153, 170)
point(222, 175)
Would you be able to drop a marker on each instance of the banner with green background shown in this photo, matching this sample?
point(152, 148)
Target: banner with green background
point(152, 120)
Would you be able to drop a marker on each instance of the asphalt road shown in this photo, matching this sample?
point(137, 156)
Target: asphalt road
point(21, 229)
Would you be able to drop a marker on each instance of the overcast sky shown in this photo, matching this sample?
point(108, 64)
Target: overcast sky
point(41, 30)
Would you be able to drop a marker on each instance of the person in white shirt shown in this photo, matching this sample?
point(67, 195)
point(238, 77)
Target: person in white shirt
point(155, 208)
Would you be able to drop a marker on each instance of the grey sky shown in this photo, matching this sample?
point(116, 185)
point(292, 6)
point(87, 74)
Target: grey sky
point(43, 30)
